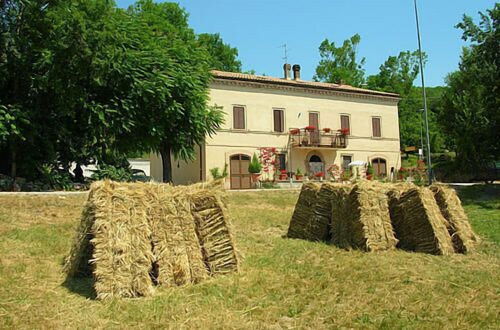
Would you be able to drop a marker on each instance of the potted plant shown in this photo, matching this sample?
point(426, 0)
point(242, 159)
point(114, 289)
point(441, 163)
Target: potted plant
point(369, 172)
point(254, 168)
point(319, 175)
point(294, 131)
point(298, 174)
point(310, 128)
point(344, 131)
point(283, 175)
point(326, 130)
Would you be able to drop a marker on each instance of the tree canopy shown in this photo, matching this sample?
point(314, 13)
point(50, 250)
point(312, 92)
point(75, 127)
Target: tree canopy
point(470, 114)
point(222, 56)
point(340, 64)
point(84, 81)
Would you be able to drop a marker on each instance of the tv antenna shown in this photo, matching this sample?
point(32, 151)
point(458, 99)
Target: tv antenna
point(286, 50)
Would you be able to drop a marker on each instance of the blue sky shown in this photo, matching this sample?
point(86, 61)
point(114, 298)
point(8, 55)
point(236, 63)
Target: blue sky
point(258, 27)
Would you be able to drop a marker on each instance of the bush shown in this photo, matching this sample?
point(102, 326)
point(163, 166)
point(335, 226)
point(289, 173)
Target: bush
point(111, 172)
point(255, 166)
point(216, 174)
point(57, 179)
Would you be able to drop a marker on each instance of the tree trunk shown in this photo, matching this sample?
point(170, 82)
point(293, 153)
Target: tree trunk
point(165, 152)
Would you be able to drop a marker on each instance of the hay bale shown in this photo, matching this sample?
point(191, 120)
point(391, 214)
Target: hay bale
point(176, 247)
point(320, 227)
point(361, 219)
point(213, 228)
point(463, 238)
point(133, 236)
point(417, 221)
point(302, 218)
point(122, 255)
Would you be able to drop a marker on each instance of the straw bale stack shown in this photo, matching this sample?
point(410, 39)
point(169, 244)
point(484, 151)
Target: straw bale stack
point(361, 219)
point(463, 238)
point(321, 223)
point(417, 221)
point(212, 221)
point(302, 218)
point(133, 236)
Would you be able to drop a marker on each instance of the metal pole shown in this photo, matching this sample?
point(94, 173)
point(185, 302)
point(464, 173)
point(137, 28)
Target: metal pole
point(429, 164)
point(421, 134)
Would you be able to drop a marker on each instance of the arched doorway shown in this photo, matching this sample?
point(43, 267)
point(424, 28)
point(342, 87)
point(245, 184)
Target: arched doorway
point(379, 166)
point(315, 164)
point(239, 175)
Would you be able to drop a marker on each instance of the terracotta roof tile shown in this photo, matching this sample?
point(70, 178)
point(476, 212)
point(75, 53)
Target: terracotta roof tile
point(298, 83)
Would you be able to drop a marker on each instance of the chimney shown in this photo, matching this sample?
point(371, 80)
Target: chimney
point(296, 72)
point(286, 68)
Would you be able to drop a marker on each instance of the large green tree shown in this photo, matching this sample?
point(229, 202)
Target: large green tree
point(470, 114)
point(341, 64)
point(221, 55)
point(84, 81)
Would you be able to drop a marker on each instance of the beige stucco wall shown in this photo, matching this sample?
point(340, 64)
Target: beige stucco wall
point(259, 103)
point(182, 172)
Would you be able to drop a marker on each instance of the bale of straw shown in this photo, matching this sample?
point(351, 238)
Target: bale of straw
point(320, 227)
point(302, 218)
point(463, 238)
point(122, 255)
point(213, 227)
point(176, 248)
point(417, 221)
point(362, 220)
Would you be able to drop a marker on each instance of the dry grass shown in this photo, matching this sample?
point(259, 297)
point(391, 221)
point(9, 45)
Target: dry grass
point(283, 283)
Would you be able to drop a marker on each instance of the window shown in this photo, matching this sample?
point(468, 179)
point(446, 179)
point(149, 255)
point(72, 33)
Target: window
point(238, 117)
point(345, 124)
point(282, 161)
point(346, 160)
point(279, 120)
point(379, 166)
point(376, 127)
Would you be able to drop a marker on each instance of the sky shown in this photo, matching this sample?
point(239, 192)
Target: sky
point(257, 28)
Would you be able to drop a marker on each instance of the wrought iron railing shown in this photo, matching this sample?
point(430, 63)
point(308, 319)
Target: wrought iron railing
point(303, 137)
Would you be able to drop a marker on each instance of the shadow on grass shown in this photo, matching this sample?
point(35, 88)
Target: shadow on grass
point(84, 286)
point(486, 196)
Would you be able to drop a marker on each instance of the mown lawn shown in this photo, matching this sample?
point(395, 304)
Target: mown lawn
point(283, 283)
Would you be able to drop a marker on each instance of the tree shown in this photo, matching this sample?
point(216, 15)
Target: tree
point(470, 113)
point(222, 56)
point(84, 81)
point(340, 64)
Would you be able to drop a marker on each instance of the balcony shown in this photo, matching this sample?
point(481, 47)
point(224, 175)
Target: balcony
point(314, 138)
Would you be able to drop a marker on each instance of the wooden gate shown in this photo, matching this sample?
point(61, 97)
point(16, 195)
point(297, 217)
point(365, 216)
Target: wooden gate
point(240, 177)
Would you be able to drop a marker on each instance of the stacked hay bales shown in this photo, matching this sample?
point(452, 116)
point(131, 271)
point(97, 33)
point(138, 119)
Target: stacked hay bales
point(463, 238)
point(373, 216)
point(133, 236)
point(418, 223)
point(301, 224)
point(361, 220)
point(321, 223)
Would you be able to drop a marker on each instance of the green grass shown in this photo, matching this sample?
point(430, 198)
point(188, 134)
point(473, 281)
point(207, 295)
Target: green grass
point(283, 283)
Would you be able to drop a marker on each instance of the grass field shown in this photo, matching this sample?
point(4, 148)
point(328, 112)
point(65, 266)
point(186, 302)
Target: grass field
point(283, 283)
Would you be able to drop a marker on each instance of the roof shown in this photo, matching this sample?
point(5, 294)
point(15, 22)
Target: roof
point(223, 75)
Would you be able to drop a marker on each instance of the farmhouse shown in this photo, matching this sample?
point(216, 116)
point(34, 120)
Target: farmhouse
point(292, 124)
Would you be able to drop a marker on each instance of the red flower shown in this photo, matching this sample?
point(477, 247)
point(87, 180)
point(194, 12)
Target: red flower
point(283, 171)
point(310, 128)
point(326, 130)
point(319, 174)
point(295, 131)
point(344, 131)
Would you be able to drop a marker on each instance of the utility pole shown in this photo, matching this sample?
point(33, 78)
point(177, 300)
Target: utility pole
point(284, 46)
point(429, 164)
point(421, 133)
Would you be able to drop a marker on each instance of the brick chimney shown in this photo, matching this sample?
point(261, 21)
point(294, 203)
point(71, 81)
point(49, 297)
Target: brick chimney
point(296, 72)
point(286, 68)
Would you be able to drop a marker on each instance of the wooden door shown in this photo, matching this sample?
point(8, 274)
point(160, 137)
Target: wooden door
point(240, 177)
point(379, 167)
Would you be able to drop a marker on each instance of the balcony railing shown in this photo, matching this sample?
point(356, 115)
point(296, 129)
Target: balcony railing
point(308, 138)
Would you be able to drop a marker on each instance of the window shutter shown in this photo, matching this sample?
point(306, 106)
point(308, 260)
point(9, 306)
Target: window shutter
point(278, 120)
point(238, 117)
point(344, 123)
point(376, 127)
